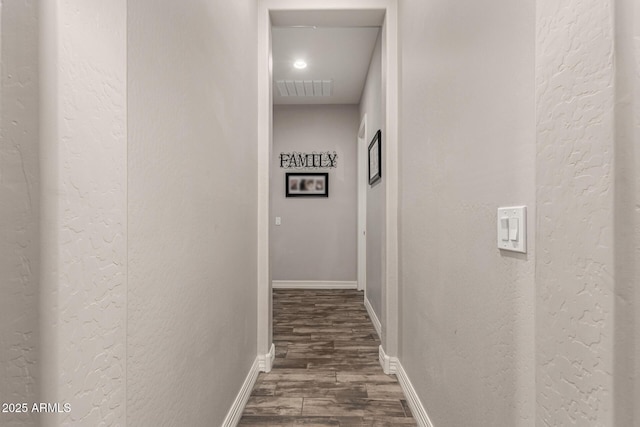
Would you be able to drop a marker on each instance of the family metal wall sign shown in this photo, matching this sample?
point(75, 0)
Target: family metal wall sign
point(295, 160)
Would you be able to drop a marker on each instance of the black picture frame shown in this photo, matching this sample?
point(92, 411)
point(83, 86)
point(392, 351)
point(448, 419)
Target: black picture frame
point(306, 184)
point(375, 158)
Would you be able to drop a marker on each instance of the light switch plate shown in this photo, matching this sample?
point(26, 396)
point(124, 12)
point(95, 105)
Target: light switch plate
point(519, 214)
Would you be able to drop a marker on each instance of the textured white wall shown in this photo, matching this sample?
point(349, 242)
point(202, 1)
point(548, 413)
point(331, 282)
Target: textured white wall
point(84, 254)
point(467, 146)
point(192, 209)
point(371, 105)
point(19, 206)
point(575, 190)
point(317, 238)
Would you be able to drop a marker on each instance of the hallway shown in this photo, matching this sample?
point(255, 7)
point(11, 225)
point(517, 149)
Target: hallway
point(326, 371)
point(144, 217)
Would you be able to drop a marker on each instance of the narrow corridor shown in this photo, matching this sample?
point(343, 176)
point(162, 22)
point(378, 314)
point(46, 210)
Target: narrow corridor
point(326, 371)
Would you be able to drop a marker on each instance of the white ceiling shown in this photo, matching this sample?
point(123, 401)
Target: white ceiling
point(339, 54)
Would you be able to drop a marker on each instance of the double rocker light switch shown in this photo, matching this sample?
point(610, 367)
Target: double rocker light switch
point(512, 229)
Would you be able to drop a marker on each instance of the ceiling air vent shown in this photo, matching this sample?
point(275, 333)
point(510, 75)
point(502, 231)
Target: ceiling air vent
point(304, 87)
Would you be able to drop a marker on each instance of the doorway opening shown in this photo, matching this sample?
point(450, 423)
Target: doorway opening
point(381, 274)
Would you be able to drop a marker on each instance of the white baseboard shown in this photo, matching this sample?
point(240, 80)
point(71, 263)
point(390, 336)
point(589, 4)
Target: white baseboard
point(262, 363)
point(388, 363)
point(265, 361)
point(391, 365)
point(374, 319)
point(313, 284)
point(235, 413)
point(417, 409)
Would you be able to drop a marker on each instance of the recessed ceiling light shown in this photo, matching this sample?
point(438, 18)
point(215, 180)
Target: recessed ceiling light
point(300, 64)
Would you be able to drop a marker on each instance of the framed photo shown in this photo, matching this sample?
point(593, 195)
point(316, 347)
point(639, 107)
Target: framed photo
point(303, 184)
point(375, 158)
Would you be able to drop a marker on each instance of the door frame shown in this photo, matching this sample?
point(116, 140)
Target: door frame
point(362, 203)
point(390, 90)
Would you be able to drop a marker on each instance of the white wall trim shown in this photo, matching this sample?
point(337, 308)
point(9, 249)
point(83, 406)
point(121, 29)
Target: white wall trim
point(265, 121)
point(417, 408)
point(363, 183)
point(388, 363)
point(390, 143)
point(265, 361)
point(373, 317)
point(390, 366)
point(235, 412)
point(313, 284)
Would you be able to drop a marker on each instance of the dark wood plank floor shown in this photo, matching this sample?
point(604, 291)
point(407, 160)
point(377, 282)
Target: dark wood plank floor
point(326, 371)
